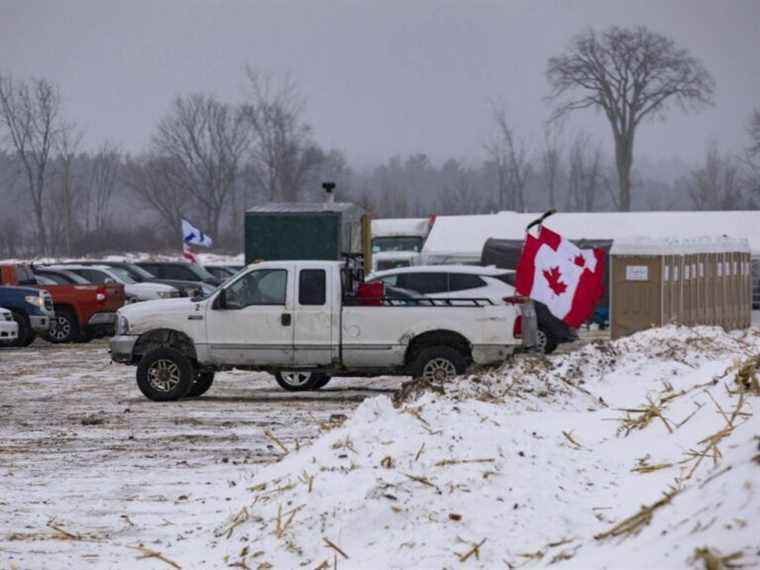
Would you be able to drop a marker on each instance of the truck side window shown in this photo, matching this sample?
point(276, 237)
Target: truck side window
point(262, 287)
point(312, 287)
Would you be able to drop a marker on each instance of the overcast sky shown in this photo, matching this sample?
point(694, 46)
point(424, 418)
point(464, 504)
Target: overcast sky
point(380, 77)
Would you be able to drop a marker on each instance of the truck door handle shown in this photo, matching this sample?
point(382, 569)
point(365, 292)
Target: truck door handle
point(286, 319)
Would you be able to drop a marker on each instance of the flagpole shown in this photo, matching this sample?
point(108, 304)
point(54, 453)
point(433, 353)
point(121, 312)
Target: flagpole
point(540, 220)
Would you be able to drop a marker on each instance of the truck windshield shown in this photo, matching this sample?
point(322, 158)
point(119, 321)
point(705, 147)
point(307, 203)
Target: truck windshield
point(397, 243)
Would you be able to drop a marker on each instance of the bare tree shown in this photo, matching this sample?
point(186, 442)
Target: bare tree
point(205, 140)
point(282, 148)
point(551, 162)
point(716, 185)
point(68, 144)
point(510, 158)
point(102, 180)
point(751, 157)
point(585, 174)
point(632, 75)
point(157, 182)
point(30, 112)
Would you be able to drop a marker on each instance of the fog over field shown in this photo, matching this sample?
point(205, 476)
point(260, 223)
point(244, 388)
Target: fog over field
point(413, 108)
point(380, 78)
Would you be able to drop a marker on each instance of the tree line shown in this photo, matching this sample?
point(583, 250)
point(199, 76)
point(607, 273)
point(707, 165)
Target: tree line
point(209, 160)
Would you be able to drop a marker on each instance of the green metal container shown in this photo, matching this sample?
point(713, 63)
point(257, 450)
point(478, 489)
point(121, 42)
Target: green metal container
point(287, 231)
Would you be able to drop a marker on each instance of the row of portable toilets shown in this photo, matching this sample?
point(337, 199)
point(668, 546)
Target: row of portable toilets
point(695, 282)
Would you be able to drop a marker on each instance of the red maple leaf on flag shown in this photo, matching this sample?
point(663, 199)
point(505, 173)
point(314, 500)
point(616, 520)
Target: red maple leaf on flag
point(553, 278)
point(580, 261)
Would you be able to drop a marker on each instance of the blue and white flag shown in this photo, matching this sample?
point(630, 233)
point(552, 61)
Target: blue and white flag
point(193, 236)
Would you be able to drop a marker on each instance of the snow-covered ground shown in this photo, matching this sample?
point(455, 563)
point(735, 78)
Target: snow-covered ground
point(82, 450)
point(547, 461)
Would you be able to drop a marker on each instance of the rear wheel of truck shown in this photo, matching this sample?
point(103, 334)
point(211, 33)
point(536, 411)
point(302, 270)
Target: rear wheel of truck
point(203, 382)
point(438, 364)
point(545, 341)
point(295, 381)
point(25, 333)
point(64, 327)
point(165, 375)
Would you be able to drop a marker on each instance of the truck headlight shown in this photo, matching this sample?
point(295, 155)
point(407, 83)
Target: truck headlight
point(122, 325)
point(36, 300)
point(167, 294)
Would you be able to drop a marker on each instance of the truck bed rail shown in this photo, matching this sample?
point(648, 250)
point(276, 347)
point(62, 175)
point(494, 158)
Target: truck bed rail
point(416, 302)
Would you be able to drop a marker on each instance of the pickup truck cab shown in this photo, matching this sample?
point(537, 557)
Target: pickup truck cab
point(304, 322)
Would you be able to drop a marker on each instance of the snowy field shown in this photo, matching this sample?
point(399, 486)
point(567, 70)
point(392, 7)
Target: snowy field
point(638, 453)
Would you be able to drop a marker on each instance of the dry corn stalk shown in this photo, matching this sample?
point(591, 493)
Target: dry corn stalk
point(238, 519)
point(714, 561)
point(632, 525)
point(148, 553)
point(746, 376)
point(710, 444)
point(475, 550)
point(645, 416)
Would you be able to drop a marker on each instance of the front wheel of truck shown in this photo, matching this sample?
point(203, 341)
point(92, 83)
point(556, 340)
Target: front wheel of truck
point(438, 364)
point(165, 375)
point(201, 385)
point(295, 381)
point(64, 327)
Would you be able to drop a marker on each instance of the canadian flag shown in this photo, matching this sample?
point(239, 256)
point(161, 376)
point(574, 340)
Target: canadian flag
point(556, 272)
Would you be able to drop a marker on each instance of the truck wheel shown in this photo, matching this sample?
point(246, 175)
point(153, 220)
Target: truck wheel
point(201, 385)
point(323, 380)
point(545, 341)
point(165, 375)
point(64, 327)
point(25, 333)
point(438, 364)
point(295, 381)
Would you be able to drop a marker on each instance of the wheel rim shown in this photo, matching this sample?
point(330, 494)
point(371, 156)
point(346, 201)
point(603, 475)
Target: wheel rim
point(295, 379)
point(163, 375)
point(61, 328)
point(439, 369)
point(541, 340)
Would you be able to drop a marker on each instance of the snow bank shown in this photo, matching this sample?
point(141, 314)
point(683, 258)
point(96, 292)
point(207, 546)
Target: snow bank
point(524, 465)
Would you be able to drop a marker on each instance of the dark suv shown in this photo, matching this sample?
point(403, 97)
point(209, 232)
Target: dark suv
point(179, 270)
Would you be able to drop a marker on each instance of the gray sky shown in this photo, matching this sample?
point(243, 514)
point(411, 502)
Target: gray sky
point(380, 77)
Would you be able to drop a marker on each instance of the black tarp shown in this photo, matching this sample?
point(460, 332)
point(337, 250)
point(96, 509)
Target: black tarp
point(505, 254)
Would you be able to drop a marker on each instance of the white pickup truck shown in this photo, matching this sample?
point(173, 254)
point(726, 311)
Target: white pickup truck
point(305, 322)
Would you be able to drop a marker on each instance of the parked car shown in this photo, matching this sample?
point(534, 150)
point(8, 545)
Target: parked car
point(79, 312)
point(179, 270)
point(32, 311)
point(186, 288)
point(471, 281)
point(8, 327)
point(134, 291)
point(304, 321)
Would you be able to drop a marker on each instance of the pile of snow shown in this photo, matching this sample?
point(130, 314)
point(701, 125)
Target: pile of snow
point(534, 464)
